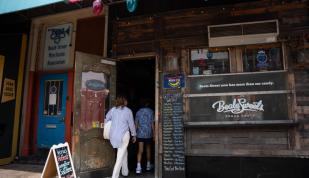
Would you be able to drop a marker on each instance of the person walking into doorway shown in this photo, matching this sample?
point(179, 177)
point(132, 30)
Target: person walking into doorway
point(144, 122)
point(122, 122)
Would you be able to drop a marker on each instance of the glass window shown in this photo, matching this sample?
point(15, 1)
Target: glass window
point(262, 58)
point(209, 61)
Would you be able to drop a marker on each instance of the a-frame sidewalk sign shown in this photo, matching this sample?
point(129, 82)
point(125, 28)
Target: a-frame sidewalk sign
point(59, 162)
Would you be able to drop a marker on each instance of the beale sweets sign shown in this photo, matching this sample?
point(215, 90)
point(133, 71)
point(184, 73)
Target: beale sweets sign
point(241, 97)
point(238, 106)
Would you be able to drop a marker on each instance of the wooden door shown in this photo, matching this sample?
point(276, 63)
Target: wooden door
point(91, 153)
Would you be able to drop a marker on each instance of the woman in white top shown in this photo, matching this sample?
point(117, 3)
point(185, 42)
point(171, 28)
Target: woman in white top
point(122, 122)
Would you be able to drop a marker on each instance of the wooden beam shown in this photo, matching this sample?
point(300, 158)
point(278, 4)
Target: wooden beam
point(239, 123)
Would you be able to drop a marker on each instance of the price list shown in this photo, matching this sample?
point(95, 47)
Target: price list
point(173, 137)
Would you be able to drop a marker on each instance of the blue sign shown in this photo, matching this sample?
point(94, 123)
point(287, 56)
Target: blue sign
point(174, 81)
point(131, 5)
point(261, 58)
point(95, 85)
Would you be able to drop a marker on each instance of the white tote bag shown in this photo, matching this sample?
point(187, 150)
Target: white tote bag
point(106, 129)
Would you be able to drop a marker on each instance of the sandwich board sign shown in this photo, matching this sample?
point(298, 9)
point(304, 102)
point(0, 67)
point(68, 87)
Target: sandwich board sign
point(59, 162)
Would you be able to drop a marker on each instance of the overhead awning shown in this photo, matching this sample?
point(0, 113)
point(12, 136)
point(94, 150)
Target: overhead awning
point(8, 6)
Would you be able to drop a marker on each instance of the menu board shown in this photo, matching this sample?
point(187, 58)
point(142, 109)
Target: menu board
point(59, 162)
point(64, 162)
point(173, 136)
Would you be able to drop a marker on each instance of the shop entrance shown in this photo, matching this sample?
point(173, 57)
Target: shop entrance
point(52, 110)
point(136, 81)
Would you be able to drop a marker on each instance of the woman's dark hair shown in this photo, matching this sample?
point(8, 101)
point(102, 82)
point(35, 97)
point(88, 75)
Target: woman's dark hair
point(145, 102)
point(120, 101)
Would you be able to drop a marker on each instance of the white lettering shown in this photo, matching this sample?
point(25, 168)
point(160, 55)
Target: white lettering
point(238, 106)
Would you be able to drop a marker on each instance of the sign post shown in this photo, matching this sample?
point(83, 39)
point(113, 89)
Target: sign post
point(59, 162)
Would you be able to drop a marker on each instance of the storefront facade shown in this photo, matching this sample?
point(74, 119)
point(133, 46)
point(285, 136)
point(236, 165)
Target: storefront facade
point(230, 91)
point(63, 86)
point(228, 84)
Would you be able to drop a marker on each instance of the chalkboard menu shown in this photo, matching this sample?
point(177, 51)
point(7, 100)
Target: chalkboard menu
point(59, 162)
point(63, 161)
point(173, 136)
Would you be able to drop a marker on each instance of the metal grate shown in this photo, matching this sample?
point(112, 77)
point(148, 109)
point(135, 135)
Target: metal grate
point(53, 92)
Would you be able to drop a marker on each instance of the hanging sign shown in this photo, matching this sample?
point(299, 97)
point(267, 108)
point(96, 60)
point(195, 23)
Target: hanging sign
point(59, 162)
point(131, 5)
point(57, 47)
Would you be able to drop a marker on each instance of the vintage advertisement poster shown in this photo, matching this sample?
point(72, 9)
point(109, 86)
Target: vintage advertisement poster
point(93, 93)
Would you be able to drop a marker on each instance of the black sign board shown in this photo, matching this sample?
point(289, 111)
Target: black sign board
point(238, 82)
point(173, 136)
point(59, 161)
point(239, 108)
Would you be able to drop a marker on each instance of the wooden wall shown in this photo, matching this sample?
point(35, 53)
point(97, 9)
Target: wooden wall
point(180, 30)
point(302, 99)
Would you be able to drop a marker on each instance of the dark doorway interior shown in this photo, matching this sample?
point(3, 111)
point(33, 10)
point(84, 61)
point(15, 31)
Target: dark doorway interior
point(136, 81)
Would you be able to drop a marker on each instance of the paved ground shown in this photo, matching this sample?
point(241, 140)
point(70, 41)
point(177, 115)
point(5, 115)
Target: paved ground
point(34, 171)
point(21, 171)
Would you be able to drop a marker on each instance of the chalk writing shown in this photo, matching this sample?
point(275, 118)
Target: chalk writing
point(238, 106)
point(173, 139)
point(63, 161)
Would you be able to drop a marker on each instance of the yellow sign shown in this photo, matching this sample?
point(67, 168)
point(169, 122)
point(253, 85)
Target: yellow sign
point(2, 59)
point(8, 90)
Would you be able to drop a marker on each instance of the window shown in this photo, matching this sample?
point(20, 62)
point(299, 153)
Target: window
point(52, 97)
point(262, 58)
point(210, 61)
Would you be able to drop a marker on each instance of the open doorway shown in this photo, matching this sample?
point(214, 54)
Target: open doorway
point(136, 81)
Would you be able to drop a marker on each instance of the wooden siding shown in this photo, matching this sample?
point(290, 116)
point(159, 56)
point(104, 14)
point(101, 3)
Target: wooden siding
point(184, 29)
point(302, 99)
point(223, 140)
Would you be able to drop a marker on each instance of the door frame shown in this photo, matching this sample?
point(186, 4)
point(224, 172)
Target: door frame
point(158, 144)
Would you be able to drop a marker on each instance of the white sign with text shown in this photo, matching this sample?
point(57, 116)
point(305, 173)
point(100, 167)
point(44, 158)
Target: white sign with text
point(238, 106)
point(57, 47)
